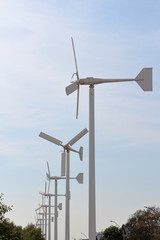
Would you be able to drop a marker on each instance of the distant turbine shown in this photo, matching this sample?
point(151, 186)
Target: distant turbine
point(67, 148)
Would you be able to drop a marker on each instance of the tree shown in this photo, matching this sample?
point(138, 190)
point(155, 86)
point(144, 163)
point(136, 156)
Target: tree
point(112, 233)
point(30, 232)
point(3, 209)
point(9, 231)
point(144, 224)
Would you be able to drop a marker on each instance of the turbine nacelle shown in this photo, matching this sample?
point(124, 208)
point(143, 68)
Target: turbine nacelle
point(144, 79)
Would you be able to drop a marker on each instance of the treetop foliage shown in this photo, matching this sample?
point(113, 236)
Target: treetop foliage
point(142, 225)
point(3, 208)
point(9, 231)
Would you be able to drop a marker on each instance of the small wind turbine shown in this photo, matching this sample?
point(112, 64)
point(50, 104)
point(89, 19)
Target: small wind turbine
point(67, 148)
point(55, 203)
point(39, 219)
point(49, 206)
point(79, 178)
point(144, 79)
point(45, 212)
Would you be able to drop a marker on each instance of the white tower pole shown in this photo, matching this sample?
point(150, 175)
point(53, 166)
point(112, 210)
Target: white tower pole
point(55, 212)
point(49, 218)
point(67, 221)
point(46, 222)
point(43, 222)
point(92, 204)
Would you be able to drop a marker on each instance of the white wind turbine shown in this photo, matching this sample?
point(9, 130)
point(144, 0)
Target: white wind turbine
point(44, 207)
point(40, 221)
point(67, 148)
point(49, 206)
point(144, 79)
point(79, 179)
point(56, 205)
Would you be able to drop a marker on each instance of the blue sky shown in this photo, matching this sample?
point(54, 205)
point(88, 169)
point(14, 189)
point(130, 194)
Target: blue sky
point(113, 39)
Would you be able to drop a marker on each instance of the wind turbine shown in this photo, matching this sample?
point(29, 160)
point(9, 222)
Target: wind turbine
point(79, 178)
point(67, 148)
point(144, 79)
point(39, 219)
point(55, 204)
point(59, 206)
point(44, 207)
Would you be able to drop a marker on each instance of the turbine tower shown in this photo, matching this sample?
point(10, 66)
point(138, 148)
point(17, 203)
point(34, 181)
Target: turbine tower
point(144, 79)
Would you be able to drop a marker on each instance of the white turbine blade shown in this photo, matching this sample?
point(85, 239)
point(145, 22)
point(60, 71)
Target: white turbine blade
point(50, 139)
point(79, 178)
point(48, 170)
point(75, 60)
point(71, 88)
point(77, 137)
point(63, 164)
point(81, 153)
point(145, 79)
point(48, 177)
point(77, 109)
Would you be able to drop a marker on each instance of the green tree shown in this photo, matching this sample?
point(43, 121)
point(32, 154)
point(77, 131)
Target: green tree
point(3, 209)
point(30, 232)
point(112, 233)
point(144, 224)
point(9, 231)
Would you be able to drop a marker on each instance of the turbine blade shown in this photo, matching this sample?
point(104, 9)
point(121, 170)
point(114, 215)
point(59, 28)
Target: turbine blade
point(48, 169)
point(75, 60)
point(71, 88)
point(78, 136)
point(51, 139)
point(48, 177)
